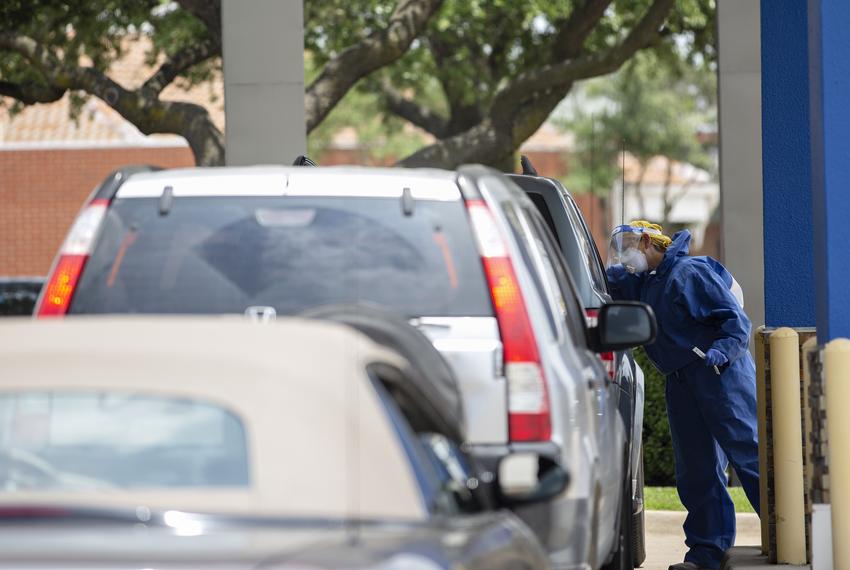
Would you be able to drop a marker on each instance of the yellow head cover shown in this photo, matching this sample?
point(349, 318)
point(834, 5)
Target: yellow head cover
point(654, 231)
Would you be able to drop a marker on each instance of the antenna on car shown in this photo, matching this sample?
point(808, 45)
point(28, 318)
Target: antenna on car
point(623, 185)
point(302, 160)
point(592, 165)
point(527, 168)
point(166, 200)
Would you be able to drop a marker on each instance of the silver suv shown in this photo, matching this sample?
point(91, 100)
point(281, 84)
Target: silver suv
point(465, 256)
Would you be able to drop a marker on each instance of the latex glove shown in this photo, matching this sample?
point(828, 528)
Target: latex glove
point(615, 272)
point(714, 357)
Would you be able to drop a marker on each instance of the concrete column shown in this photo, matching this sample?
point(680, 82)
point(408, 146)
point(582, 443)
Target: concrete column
point(786, 165)
point(739, 87)
point(263, 81)
point(829, 81)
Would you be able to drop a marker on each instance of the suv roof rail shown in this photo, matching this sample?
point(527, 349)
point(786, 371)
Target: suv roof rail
point(302, 160)
point(109, 187)
point(527, 168)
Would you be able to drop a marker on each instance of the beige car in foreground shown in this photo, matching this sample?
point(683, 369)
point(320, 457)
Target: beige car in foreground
point(177, 443)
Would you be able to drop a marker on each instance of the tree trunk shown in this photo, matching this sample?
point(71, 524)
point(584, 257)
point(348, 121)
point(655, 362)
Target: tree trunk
point(206, 141)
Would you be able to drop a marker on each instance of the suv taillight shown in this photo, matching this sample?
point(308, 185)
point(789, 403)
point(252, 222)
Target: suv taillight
point(529, 417)
point(73, 255)
point(607, 358)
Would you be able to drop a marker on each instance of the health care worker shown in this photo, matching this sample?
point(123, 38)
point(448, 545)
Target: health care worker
point(703, 349)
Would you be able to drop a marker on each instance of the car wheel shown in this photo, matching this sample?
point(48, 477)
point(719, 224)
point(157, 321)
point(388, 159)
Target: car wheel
point(622, 559)
point(639, 521)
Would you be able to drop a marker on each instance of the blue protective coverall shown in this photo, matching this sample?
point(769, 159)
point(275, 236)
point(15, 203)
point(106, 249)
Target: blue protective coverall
point(712, 417)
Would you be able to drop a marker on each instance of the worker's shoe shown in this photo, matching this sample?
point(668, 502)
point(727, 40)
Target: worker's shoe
point(686, 566)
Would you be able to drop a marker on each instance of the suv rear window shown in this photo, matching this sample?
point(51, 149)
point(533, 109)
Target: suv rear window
point(226, 254)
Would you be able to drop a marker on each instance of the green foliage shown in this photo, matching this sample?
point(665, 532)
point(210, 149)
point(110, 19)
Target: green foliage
point(382, 138)
point(472, 48)
point(469, 51)
point(96, 31)
point(653, 105)
point(658, 459)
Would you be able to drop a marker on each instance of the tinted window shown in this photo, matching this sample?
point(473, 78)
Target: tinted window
point(225, 254)
point(588, 247)
point(98, 440)
point(540, 202)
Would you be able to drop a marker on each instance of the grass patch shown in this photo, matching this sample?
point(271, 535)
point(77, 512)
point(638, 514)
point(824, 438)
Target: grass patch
point(666, 499)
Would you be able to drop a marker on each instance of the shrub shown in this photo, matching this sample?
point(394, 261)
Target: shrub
point(658, 460)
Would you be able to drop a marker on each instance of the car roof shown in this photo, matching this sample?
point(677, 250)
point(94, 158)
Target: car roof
point(538, 183)
point(348, 181)
point(316, 428)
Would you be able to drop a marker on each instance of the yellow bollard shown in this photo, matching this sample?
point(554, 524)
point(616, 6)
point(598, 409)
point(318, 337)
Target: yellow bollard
point(761, 399)
point(837, 379)
point(808, 347)
point(787, 447)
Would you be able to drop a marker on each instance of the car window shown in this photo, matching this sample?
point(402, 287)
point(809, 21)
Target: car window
point(437, 497)
point(226, 254)
point(571, 236)
point(588, 247)
point(543, 208)
point(573, 313)
point(113, 440)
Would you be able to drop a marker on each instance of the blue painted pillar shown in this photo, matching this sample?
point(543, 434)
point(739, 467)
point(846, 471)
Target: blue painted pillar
point(789, 298)
point(829, 80)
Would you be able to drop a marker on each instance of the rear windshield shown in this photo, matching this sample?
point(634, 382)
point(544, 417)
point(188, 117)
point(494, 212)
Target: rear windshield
point(104, 440)
point(227, 254)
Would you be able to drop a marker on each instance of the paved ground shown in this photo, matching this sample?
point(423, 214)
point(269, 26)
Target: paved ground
point(665, 541)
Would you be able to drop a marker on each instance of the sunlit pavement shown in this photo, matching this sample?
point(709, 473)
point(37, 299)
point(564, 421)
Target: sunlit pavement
point(665, 540)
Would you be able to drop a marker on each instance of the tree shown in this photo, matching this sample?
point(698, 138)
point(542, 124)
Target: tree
point(49, 48)
point(479, 75)
point(656, 108)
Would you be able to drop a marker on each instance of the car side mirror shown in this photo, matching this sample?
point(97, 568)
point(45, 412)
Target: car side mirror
point(622, 325)
point(526, 478)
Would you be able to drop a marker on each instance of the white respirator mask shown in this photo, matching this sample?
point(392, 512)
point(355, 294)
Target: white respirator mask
point(634, 260)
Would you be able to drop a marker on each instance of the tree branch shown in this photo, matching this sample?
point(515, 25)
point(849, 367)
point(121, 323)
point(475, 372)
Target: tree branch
point(142, 108)
point(180, 63)
point(373, 52)
point(522, 106)
point(413, 112)
point(30, 93)
point(571, 36)
point(567, 72)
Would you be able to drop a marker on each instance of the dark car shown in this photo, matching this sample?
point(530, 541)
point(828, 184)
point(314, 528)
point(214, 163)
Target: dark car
point(197, 442)
point(18, 295)
point(564, 219)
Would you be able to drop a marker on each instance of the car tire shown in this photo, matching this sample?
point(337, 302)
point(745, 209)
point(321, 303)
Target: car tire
point(639, 521)
point(622, 559)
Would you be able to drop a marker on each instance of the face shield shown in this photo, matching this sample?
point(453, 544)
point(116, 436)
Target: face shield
point(624, 249)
